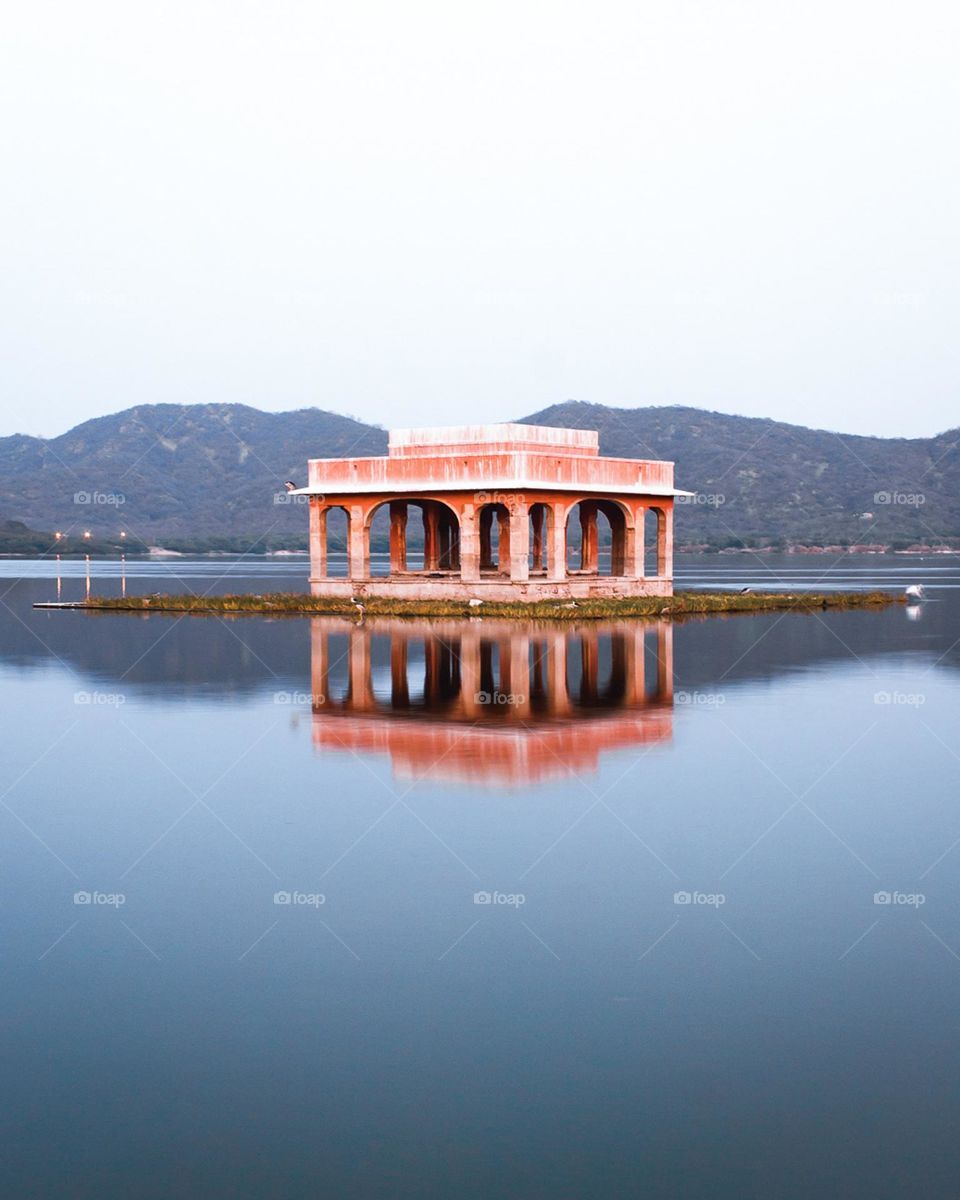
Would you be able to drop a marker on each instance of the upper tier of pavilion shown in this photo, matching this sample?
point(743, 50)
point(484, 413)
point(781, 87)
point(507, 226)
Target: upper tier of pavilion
point(503, 458)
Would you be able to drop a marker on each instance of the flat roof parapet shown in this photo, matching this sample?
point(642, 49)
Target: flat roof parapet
point(486, 439)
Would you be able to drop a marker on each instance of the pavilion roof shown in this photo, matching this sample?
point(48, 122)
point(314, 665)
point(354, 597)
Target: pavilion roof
point(508, 458)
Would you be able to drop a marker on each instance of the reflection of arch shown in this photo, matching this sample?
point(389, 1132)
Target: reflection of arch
point(602, 682)
point(503, 702)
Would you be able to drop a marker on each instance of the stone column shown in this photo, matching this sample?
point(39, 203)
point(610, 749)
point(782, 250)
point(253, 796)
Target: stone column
point(665, 544)
point(589, 546)
point(398, 536)
point(445, 526)
point(618, 548)
point(469, 545)
point(536, 518)
point(517, 552)
point(504, 529)
point(431, 536)
point(633, 555)
point(443, 544)
point(318, 538)
point(486, 541)
point(557, 555)
point(358, 540)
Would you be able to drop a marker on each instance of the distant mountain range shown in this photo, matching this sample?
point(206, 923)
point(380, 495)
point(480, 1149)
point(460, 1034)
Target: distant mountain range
point(212, 475)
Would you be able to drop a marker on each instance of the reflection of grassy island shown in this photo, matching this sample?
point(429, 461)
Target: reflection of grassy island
point(678, 605)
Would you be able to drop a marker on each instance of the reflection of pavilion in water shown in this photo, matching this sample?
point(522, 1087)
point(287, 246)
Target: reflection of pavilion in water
point(491, 701)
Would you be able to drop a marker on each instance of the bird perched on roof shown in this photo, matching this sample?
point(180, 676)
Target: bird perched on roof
point(290, 485)
point(914, 591)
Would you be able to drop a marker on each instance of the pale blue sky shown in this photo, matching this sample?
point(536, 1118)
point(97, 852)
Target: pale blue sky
point(422, 212)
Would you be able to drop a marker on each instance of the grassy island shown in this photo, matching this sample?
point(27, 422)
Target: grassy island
point(679, 605)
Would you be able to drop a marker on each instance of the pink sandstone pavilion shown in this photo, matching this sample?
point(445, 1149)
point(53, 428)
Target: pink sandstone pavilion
point(498, 504)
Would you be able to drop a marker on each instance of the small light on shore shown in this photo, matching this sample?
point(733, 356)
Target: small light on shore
point(87, 534)
point(58, 535)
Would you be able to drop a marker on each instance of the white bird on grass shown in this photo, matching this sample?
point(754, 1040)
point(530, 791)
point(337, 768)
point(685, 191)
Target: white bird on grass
point(914, 591)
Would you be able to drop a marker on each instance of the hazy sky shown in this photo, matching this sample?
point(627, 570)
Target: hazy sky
point(422, 212)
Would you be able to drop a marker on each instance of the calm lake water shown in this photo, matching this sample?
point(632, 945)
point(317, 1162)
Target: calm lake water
point(300, 908)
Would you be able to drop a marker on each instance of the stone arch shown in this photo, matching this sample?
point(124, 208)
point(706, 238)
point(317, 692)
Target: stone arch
point(541, 518)
point(320, 533)
point(620, 522)
point(441, 534)
point(654, 528)
point(493, 525)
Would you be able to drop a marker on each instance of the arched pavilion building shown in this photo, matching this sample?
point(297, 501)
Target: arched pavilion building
point(508, 512)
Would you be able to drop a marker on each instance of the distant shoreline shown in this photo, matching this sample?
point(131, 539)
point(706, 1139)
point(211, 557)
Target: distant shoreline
point(160, 552)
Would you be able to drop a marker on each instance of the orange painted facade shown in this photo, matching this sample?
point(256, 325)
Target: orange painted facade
point(508, 512)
